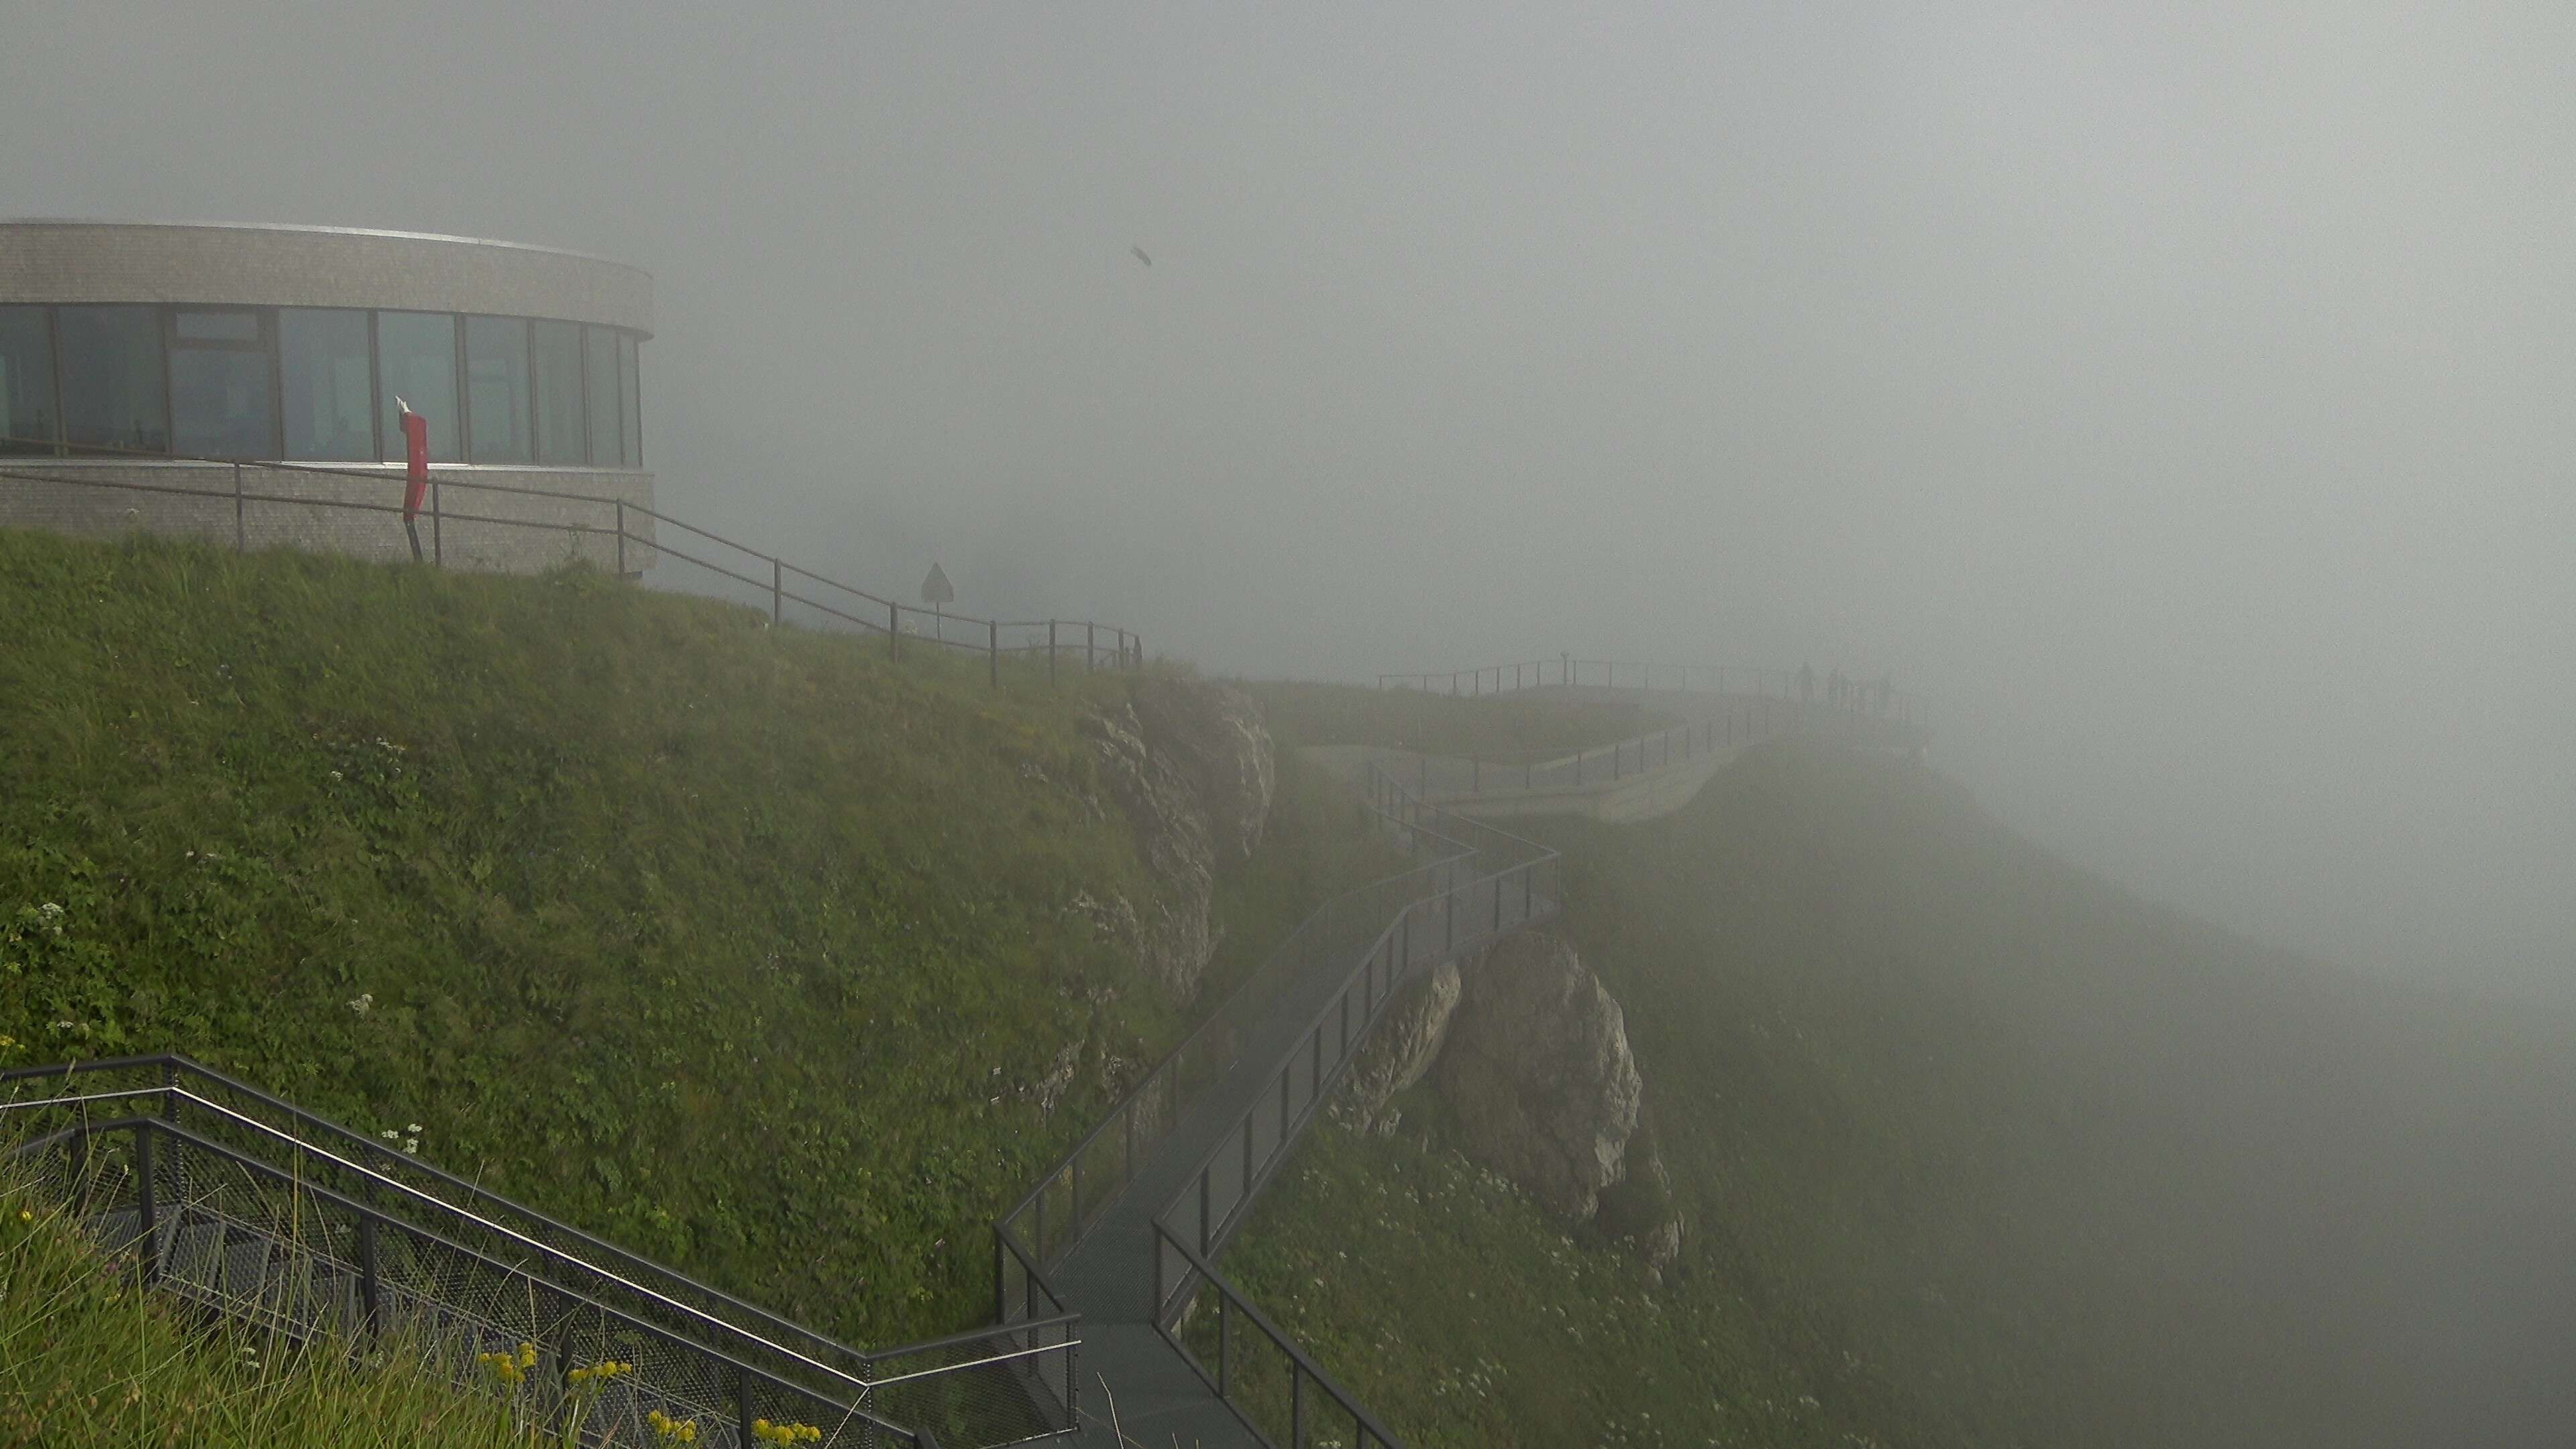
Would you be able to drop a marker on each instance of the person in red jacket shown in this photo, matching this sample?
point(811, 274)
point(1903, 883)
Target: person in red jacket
point(415, 430)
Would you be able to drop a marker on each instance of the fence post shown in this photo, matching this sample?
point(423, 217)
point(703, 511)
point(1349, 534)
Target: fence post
point(370, 1310)
point(742, 1404)
point(993, 650)
point(146, 1211)
point(621, 538)
point(894, 632)
point(1090, 645)
point(777, 592)
point(241, 533)
point(1050, 651)
point(437, 526)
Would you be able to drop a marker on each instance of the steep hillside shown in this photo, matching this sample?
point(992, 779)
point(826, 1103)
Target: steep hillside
point(1973, 1149)
point(748, 948)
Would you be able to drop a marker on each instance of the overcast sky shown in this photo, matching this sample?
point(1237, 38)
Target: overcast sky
point(2180, 399)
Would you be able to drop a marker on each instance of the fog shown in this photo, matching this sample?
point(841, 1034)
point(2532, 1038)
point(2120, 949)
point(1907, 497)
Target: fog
point(2179, 401)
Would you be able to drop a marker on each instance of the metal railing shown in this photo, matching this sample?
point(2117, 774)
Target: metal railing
point(1259, 1370)
point(1731, 723)
point(482, 1265)
point(1498, 883)
point(1047, 1223)
point(626, 536)
point(1351, 955)
point(1566, 671)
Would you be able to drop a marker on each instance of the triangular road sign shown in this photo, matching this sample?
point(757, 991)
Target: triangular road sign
point(935, 589)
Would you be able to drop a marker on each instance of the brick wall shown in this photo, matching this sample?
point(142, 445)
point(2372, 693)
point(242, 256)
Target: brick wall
point(511, 541)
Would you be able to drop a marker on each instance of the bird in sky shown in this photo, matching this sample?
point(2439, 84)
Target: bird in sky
point(1139, 254)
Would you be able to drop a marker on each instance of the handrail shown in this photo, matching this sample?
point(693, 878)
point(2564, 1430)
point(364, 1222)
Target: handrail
point(796, 1351)
point(1364, 1425)
point(1644, 675)
point(542, 1249)
point(1120, 647)
point(371, 1213)
point(171, 1062)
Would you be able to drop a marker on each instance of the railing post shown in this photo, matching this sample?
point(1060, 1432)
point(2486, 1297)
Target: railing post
point(621, 538)
point(894, 632)
point(993, 651)
point(742, 1404)
point(241, 531)
point(1296, 1405)
point(777, 592)
point(147, 1205)
point(1090, 645)
point(370, 1278)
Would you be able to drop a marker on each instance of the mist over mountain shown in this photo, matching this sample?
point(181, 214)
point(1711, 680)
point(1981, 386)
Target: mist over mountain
point(2175, 397)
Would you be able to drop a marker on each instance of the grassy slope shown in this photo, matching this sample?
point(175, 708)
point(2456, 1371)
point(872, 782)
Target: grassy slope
point(742, 946)
point(1976, 1150)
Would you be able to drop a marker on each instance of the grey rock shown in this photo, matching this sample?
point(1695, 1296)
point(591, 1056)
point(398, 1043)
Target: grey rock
point(1538, 1071)
point(1401, 1050)
point(1191, 767)
point(1214, 736)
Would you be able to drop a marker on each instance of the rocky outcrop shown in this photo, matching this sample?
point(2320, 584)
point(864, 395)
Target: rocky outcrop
point(1537, 1069)
point(1191, 767)
point(1401, 1050)
point(1213, 736)
point(1640, 1209)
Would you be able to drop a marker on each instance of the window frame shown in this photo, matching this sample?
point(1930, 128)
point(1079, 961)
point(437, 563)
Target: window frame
point(264, 323)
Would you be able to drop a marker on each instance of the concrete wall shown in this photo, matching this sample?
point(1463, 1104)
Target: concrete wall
point(265, 266)
point(68, 502)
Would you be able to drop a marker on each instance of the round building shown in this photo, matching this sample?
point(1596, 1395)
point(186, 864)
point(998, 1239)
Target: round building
point(239, 381)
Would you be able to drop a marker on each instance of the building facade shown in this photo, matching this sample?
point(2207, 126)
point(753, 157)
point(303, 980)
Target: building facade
point(159, 355)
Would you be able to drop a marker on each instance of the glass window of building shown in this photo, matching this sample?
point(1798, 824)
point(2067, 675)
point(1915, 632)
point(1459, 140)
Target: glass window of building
point(329, 385)
point(563, 439)
point(600, 371)
point(29, 422)
point(110, 365)
point(416, 361)
point(496, 389)
point(222, 397)
point(632, 455)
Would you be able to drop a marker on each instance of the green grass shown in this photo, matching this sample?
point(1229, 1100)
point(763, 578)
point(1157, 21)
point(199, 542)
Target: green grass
point(747, 948)
point(86, 1359)
point(1974, 1150)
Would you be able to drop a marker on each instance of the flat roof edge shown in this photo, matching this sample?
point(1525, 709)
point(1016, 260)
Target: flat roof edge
point(288, 226)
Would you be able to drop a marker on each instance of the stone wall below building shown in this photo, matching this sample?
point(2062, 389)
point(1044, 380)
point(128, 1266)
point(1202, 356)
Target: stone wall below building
point(569, 514)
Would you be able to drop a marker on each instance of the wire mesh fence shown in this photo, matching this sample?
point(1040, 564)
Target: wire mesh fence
point(262, 1212)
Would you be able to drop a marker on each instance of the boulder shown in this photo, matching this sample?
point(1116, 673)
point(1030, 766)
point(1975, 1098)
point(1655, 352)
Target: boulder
point(1401, 1050)
point(1537, 1069)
